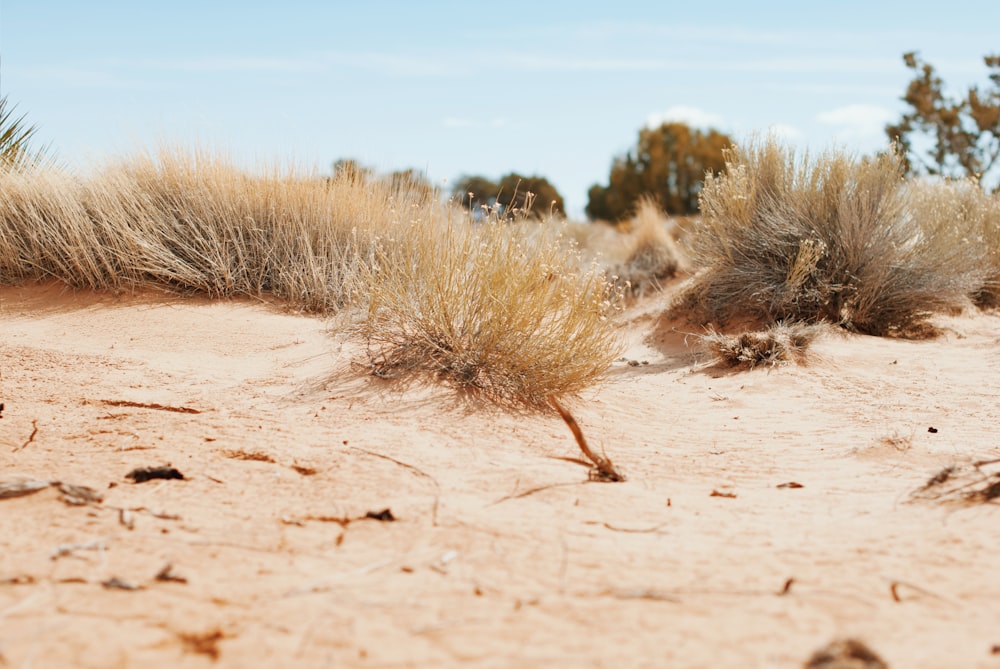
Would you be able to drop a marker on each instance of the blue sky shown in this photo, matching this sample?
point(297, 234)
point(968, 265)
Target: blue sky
point(550, 88)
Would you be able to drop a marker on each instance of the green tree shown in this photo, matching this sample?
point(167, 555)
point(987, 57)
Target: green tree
point(963, 133)
point(669, 164)
point(532, 196)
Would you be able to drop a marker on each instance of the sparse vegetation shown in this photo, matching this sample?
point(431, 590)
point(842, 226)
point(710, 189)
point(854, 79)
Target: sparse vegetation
point(486, 309)
point(831, 239)
point(513, 317)
point(973, 483)
point(777, 344)
point(961, 207)
point(651, 254)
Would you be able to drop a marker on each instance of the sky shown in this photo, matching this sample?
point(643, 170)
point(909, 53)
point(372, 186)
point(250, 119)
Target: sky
point(555, 88)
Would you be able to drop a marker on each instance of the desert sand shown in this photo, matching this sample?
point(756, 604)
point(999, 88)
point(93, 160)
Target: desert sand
point(765, 512)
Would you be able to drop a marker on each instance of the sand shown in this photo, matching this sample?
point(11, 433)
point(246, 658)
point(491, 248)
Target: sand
point(501, 554)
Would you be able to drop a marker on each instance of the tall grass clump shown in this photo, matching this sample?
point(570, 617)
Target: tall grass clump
point(964, 208)
point(505, 316)
point(835, 238)
point(651, 255)
point(194, 222)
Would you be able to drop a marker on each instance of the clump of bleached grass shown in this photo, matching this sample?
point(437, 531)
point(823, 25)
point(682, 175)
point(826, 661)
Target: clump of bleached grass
point(835, 238)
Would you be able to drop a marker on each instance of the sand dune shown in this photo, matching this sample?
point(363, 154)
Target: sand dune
point(501, 554)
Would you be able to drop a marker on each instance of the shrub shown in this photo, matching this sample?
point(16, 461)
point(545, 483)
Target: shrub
point(651, 254)
point(777, 344)
point(486, 309)
point(832, 239)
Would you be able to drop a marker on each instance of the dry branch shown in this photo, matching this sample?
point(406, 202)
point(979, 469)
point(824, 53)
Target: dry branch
point(603, 469)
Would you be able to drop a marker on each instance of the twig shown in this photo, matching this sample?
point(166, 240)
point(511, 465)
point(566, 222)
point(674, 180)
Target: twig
point(532, 491)
point(630, 530)
point(148, 405)
point(603, 469)
point(31, 438)
point(894, 591)
point(415, 470)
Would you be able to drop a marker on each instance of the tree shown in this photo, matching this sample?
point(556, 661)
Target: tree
point(516, 194)
point(669, 164)
point(964, 132)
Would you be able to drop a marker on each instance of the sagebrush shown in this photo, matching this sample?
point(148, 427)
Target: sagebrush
point(507, 315)
point(835, 239)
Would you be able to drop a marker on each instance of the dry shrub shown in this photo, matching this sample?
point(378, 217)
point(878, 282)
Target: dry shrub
point(777, 344)
point(964, 485)
point(832, 239)
point(651, 254)
point(963, 209)
point(486, 309)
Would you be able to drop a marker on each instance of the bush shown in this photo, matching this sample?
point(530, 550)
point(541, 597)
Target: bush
point(961, 207)
point(832, 239)
point(775, 345)
point(486, 309)
point(651, 254)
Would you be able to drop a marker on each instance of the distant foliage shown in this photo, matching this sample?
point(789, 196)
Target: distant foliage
point(964, 132)
point(516, 195)
point(668, 164)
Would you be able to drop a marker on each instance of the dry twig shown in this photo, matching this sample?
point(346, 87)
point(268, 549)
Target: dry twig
point(602, 468)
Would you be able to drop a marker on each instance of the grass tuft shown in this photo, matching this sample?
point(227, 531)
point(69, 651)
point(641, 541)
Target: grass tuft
point(487, 310)
point(777, 344)
point(651, 254)
point(834, 239)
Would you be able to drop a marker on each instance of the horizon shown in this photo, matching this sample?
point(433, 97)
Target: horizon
point(450, 90)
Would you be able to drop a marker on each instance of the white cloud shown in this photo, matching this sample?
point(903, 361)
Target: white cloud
point(857, 122)
point(692, 116)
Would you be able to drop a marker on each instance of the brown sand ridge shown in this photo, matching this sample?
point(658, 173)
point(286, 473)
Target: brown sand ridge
point(500, 554)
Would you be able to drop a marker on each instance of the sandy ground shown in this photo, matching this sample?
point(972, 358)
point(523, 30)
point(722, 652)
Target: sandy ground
point(501, 554)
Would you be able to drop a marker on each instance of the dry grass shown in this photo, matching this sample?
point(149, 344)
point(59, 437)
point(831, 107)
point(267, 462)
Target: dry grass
point(974, 483)
point(964, 209)
point(651, 253)
point(192, 222)
point(777, 344)
point(831, 239)
point(487, 309)
point(515, 318)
